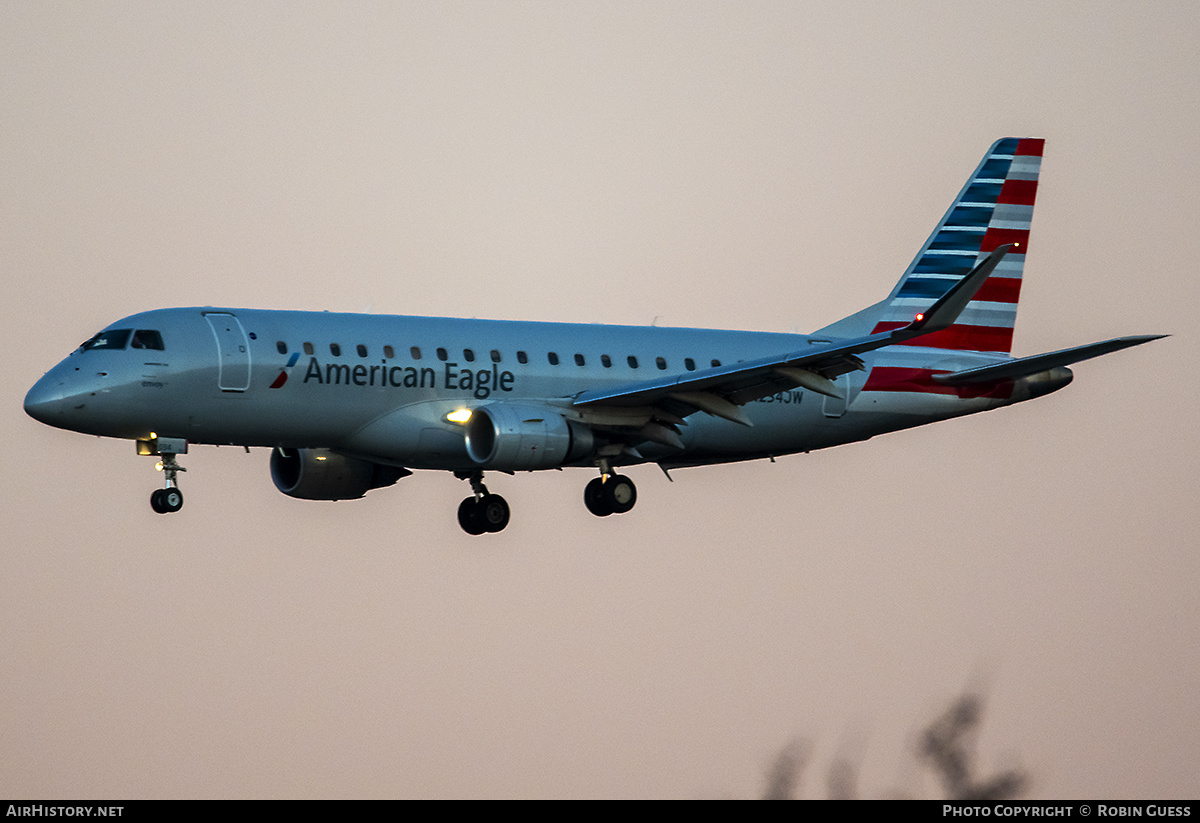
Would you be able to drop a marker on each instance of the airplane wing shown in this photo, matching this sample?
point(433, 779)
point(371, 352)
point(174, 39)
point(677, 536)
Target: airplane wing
point(1023, 366)
point(722, 391)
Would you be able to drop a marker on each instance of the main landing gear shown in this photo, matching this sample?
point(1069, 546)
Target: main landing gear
point(169, 499)
point(609, 494)
point(482, 511)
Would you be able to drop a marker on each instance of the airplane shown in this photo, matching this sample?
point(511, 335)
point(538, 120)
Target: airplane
point(349, 403)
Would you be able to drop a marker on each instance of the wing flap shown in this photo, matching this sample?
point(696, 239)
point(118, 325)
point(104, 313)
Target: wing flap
point(714, 404)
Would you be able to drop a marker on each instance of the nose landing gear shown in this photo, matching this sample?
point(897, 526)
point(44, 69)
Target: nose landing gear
point(169, 499)
point(483, 511)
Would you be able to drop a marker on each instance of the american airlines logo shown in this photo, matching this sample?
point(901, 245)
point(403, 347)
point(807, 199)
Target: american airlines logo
point(283, 373)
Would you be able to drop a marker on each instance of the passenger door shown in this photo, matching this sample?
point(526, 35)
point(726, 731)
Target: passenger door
point(233, 351)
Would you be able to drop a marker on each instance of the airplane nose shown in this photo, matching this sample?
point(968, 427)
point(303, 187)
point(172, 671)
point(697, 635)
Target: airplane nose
point(46, 402)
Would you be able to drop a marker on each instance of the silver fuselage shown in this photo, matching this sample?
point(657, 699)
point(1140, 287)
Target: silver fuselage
point(272, 378)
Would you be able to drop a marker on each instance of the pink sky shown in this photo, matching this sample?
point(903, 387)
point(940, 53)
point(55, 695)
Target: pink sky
point(755, 165)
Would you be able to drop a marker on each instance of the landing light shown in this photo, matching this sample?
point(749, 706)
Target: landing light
point(919, 317)
point(460, 416)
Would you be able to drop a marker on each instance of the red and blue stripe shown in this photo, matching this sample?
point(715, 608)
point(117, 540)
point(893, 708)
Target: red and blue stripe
point(994, 207)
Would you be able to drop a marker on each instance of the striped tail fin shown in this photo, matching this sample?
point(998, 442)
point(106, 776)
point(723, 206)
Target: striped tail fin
point(994, 207)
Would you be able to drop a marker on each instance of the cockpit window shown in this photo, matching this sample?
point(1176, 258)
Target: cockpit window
point(111, 339)
point(147, 339)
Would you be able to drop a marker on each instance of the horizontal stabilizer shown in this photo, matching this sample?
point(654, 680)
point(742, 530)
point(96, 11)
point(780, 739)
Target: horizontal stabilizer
point(1024, 366)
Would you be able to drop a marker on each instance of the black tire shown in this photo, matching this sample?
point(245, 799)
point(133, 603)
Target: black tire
point(493, 512)
point(468, 517)
point(619, 493)
point(172, 500)
point(156, 501)
point(595, 499)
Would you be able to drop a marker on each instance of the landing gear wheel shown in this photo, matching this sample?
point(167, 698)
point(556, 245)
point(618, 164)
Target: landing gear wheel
point(166, 501)
point(483, 511)
point(614, 494)
point(594, 499)
point(619, 493)
point(172, 500)
point(468, 517)
point(492, 511)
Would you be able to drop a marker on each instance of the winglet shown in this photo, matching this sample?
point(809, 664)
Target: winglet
point(942, 314)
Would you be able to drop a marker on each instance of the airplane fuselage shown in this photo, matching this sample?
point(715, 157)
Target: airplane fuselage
point(383, 385)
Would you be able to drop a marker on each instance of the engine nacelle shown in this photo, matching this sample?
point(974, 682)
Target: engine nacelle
point(319, 474)
point(512, 437)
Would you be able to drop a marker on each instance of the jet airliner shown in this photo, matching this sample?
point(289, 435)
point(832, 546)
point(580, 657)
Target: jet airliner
point(348, 403)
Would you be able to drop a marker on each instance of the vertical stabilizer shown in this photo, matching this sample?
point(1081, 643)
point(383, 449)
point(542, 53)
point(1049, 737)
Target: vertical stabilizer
point(994, 207)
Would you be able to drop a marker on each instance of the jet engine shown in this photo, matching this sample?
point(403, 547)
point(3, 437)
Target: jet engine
point(319, 474)
point(511, 437)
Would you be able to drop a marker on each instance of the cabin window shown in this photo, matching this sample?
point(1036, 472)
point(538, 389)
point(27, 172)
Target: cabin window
point(553, 358)
point(147, 339)
point(469, 355)
point(112, 339)
point(362, 350)
point(308, 348)
point(661, 362)
point(606, 361)
point(389, 352)
point(579, 361)
point(632, 361)
point(441, 353)
point(415, 351)
point(281, 347)
point(716, 364)
point(335, 349)
point(689, 364)
point(522, 357)
point(495, 356)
